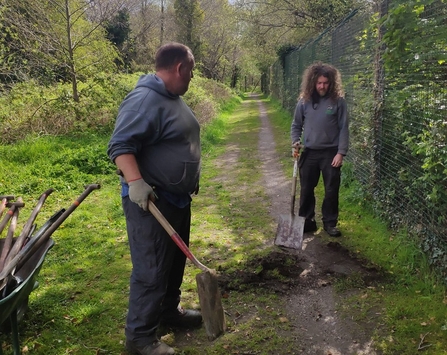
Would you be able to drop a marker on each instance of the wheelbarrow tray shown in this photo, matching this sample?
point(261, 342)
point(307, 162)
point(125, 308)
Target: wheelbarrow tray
point(14, 305)
point(27, 274)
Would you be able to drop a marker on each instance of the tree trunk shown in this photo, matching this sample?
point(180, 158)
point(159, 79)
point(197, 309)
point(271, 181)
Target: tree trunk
point(74, 82)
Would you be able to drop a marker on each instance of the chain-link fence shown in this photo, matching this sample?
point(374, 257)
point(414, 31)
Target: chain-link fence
point(393, 61)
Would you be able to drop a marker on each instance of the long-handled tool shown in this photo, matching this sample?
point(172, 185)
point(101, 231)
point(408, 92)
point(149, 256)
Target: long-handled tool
point(12, 207)
point(35, 243)
point(25, 233)
point(9, 238)
point(12, 281)
point(207, 285)
point(290, 229)
point(4, 200)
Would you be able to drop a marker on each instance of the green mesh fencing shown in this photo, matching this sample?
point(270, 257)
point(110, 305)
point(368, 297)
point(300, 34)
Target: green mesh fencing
point(393, 61)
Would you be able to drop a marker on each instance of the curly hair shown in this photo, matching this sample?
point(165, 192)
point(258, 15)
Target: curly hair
point(311, 75)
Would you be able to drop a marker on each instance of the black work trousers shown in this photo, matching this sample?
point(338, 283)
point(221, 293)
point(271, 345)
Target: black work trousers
point(313, 163)
point(157, 267)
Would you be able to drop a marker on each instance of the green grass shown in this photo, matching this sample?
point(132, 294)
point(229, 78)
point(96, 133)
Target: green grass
point(81, 302)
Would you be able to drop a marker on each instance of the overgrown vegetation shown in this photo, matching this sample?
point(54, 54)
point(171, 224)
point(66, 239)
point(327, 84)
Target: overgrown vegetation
point(30, 109)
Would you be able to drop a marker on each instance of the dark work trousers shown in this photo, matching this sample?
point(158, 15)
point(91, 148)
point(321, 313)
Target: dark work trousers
point(157, 266)
point(313, 163)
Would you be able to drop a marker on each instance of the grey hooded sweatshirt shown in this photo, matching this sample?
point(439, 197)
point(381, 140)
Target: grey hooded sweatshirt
point(163, 134)
point(323, 125)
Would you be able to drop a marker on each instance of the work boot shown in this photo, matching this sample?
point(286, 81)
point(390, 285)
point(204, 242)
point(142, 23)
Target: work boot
point(310, 226)
point(332, 231)
point(155, 348)
point(182, 318)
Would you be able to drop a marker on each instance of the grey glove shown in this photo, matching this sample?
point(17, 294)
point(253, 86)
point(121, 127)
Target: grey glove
point(140, 192)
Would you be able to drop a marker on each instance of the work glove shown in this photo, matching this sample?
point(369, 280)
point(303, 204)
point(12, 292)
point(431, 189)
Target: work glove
point(296, 147)
point(140, 192)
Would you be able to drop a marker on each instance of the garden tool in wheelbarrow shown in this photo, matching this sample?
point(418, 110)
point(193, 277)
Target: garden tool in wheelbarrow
point(290, 229)
point(39, 239)
point(207, 286)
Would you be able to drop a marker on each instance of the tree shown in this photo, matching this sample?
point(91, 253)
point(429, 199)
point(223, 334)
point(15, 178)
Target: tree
point(219, 40)
point(118, 32)
point(61, 39)
point(149, 22)
point(189, 18)
point(270, 24)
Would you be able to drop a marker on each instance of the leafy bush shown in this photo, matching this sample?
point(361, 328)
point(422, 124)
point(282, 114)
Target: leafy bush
point(32, 109)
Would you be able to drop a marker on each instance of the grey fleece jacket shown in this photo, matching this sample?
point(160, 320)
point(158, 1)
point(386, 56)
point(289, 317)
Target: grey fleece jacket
point(323, 125)
point(163, 134)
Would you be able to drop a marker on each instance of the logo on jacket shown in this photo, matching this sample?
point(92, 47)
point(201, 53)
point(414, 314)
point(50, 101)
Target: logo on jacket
point(330, 110)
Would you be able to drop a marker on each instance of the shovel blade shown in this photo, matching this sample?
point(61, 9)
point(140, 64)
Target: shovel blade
point(290, 231)
point(211, 305)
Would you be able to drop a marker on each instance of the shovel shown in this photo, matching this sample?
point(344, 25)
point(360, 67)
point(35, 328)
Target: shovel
point(207, 286)
point(290, 229)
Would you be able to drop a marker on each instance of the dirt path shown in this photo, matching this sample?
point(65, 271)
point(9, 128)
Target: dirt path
point(312, 303)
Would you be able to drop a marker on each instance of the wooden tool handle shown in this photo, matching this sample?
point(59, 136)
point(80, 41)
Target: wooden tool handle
point(294, 181)
point(172, 233)
point(175, 237)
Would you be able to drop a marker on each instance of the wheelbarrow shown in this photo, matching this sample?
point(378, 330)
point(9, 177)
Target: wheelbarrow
point(14, 305)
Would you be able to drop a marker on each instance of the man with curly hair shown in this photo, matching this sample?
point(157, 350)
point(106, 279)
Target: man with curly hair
point(321, 128)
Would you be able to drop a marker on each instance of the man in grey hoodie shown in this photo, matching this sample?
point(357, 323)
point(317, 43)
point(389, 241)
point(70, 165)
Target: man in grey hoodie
point(320, 126)
point(156, 145)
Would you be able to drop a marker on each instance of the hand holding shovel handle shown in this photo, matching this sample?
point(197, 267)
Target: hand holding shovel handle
point(172, 233)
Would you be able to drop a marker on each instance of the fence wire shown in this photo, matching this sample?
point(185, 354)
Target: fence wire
point(394, 75)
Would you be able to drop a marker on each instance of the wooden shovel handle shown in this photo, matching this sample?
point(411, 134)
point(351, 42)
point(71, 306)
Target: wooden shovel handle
point(3, 205)
point(9, 237)
point(7, 217)
point(294, 181)
point(25, 233)
point(172, 233)
point(175, 237)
